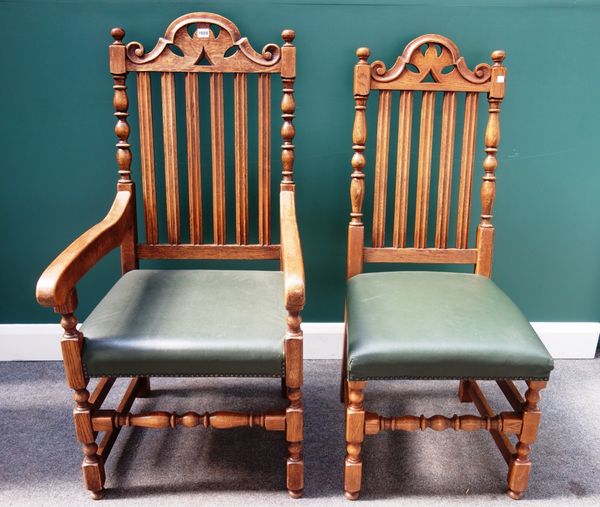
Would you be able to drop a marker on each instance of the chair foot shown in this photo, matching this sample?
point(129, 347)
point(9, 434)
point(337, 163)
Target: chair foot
point(294, 420)
point(519, 468)
point(515, 495)
point(97, 495)
point(295, 493)
point(355, 434)
point(295, 471)
point(352, 496)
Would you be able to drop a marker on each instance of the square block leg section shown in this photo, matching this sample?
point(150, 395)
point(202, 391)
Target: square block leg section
point(295, 477)
point(352, 479)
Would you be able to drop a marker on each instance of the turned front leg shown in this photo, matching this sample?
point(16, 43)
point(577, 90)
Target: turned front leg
point(294, 414)
point(355, 434)
point(520, 466)
point(92, 466)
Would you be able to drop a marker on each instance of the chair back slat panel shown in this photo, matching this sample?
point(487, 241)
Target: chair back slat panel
point(381, 167)
point(430, 66)
point(218, 156)
point(405, 110)
point(170, 151)
point(264, 159)
point(192, 109)
point(445, 169)
point(466, 170)
point(241, 157)
point(144, 92)
point(193, 44)
point(424, 168)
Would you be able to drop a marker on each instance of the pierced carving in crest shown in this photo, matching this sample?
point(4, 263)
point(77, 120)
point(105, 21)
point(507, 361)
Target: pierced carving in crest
point(435, 56)
point(185, 48)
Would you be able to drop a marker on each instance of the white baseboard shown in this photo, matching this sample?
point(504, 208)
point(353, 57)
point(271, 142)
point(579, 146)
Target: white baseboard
point(322, 340)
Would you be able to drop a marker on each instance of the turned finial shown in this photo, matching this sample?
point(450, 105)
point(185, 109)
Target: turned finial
point(363, 54)
point(288, 36)
point(498, 57)
point(117, 34)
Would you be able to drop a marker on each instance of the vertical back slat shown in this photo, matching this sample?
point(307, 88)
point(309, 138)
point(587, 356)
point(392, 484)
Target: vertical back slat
point(170, 149)
point(147, 156)
point(193, 157)
point(424, 168)
point(218, 156)
point(466, 170)
point(405, 109)
point(381, 167)
point(264, 159)
point(445, 171)
point(241, 158)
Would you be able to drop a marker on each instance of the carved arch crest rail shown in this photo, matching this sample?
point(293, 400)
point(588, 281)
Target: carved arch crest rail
point(431, 55)
point(203, 50)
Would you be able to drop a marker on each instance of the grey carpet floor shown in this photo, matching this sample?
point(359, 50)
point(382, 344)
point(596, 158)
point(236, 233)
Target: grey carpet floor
point(39, 458)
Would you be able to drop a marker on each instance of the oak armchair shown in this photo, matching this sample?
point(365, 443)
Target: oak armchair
point(433, 325)
point(188, 322)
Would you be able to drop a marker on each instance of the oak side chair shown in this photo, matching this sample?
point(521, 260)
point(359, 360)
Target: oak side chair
point(202, 323)
point(433, 325)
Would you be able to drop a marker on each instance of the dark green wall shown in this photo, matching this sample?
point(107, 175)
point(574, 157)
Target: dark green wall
point(57, 143)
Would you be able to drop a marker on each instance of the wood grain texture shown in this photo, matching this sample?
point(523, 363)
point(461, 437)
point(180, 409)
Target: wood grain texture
point(402, 168)
point(101, 391)
point(167, 80)
point(512, 394)
point(445, 170)
point(288, 109)
point(520, 465)
point(421, 255)
point(58, 280)
point(218, 156)
point(207, 251)
point(209, 47)
point(291, 253)
point(192, 120)
point(222, 420)
point(506, 422)
point(241, 158)
point(507, 449)
point(436, 57)
point(424, 169)
point(264, 159)
point(466, 170)
point(381, 167)
point(357, 181)
point(147, 156)
point(485, 230)
point(355, 434)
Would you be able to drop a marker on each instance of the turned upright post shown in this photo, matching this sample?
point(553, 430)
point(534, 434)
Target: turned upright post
point(485, 230)
point(356, 230)
point(288, 108)
point(118, 70)
point(71, 346)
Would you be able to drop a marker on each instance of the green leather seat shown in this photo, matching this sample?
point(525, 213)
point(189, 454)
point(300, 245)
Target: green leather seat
point(188, 323)
point(421, 325)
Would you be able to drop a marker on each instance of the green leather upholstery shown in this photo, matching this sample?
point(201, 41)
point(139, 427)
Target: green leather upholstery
point(188, 323)
point(438, 325)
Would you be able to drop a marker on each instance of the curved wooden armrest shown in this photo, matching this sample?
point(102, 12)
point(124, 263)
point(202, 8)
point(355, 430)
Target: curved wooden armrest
point(59, 279)
point(291, 253)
